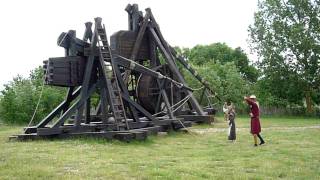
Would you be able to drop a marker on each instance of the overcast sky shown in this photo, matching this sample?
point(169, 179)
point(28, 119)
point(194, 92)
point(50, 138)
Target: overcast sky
point(30, 29)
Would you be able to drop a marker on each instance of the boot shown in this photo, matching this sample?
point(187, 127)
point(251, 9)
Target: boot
point(261, 139)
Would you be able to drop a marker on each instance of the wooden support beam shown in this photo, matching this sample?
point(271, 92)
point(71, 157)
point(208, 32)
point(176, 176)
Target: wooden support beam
point(57, 110)
point(141, 109)
point(202, 94)
point(87, 78)
point(140, 36)
point(154, 59)
point(156, 27)
point(129, 11)
point(158, 104)
point(193, 72)
point(137, 44)
point(68, 98)
point(104, 98)
point(128, 63)
point(88, 108)
point(164, 47)
point(175, 70)
point(165, 98)
point(88, 32)
point(79, 103)
point(124, 90)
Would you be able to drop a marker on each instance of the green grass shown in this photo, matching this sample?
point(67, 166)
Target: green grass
point(266, 122)
point(288, 154)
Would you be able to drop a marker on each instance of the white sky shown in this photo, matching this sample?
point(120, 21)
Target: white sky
point(30, 28)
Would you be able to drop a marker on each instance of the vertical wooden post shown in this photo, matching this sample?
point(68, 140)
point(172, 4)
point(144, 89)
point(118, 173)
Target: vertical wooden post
point(174, 69)
point(86, 80)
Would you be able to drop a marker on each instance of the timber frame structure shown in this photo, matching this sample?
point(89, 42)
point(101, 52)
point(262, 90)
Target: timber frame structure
point(124, 90)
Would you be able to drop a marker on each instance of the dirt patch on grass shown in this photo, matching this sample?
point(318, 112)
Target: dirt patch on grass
point(216, 130)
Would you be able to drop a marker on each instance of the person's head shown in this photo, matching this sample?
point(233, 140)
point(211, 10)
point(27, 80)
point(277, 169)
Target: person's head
point(253, 97)
point(228, 102)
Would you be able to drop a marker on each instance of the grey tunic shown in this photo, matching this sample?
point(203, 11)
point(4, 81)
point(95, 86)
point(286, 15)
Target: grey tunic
point(232, 126)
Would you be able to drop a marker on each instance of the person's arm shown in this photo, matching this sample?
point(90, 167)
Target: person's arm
point(233, 107)
point(225, 108)
point(249, 101)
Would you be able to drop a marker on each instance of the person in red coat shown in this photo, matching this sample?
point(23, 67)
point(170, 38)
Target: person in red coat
point(255, 121)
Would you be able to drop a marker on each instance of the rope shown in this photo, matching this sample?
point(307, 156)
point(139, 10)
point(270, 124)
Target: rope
point(188, 130)
point(42, 87)
point(39, 99)
point(181, 104)
point(198, 88)
point(185, 100)
point(187, 97)
point(179, 85)
point(40, 96)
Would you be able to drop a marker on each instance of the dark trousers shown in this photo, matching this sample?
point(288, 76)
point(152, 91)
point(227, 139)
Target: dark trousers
point(261, 139)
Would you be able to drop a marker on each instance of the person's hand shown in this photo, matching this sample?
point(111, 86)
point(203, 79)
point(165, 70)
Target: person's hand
point(244, 99)
point(251, 115)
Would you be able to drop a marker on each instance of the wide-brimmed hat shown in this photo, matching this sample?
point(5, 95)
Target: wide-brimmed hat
point(253, 97)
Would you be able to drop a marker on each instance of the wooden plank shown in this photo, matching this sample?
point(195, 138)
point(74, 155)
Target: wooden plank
point(53, 113)
point(125, 92)
point(140, 108)
point(181, 124)
point(197, 118)
point(165, 98)
point(48, 131)
point(140, 135)
point(174, 69)
point(87, 35)
point(127, 136)
point(86, 80)
point(150, 130)
point(141, 33)
point(124, 136)
point(73, 108)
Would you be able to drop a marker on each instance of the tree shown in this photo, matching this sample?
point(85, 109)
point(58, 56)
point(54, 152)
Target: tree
point(220, 52)
point(201, 54)
point(223, 79)
point(20, 96)
point(241, 61)
point(286, 37)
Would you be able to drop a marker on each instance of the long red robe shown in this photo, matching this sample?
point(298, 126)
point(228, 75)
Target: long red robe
point(255, 121)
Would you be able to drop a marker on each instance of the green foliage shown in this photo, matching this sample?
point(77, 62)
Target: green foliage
point(20, 96)
point(241, 60)
point(224, 79)
point(286, 36)
point(220, 52)
point(201, 54)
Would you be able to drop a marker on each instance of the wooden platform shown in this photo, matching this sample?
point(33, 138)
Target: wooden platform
point(197, 118)
point(67, 131)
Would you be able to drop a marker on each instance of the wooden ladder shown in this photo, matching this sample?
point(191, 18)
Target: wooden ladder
point(114, 93)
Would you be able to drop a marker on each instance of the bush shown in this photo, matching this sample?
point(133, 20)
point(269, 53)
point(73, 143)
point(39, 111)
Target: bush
point(20, 96)
point(223, 79)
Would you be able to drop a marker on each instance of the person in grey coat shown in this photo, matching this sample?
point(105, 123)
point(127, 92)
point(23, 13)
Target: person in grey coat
point(232, 124)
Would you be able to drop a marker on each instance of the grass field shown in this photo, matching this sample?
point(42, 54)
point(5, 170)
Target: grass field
point(292, 152)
